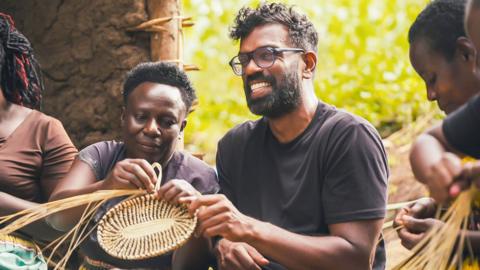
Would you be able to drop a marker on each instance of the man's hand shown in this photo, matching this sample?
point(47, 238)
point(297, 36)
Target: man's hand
point(238, 255)
point(131, 174)
point(416, 219)
point(218, 216)
point(470, 174)
point(175, 189)
point(442, 174)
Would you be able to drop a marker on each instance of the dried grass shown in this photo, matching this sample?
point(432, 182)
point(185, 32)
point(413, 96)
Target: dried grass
point(436, 250)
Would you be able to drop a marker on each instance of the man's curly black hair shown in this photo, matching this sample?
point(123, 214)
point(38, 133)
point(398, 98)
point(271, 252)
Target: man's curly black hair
point(440, 24)
point(301, 31)
point(162, 73)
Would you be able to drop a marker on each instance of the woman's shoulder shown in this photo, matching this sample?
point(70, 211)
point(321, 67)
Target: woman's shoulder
point(46, 130)
point(103, 148)
point(195, 171)
point(185, 159)
point(43, 118)
point(44, 122)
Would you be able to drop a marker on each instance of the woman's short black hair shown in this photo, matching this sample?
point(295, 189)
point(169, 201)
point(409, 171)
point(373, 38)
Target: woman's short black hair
point(440, 24)
point(301, 31)
point(162, 73)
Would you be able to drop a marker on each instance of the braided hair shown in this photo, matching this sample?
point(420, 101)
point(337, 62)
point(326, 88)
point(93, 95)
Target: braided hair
point(20, 78)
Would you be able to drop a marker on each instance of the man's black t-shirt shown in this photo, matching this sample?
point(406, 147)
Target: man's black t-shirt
point(462, 128)
point(335, 171)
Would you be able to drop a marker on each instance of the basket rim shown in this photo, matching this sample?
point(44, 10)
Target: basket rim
point(126, 204)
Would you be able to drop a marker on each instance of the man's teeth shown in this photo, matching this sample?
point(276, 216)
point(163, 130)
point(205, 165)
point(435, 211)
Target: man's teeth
point(258, 85)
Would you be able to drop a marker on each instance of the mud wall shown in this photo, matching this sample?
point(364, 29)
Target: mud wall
point(84, 51)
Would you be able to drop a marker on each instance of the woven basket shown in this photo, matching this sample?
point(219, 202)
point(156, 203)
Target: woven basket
point(144, 227)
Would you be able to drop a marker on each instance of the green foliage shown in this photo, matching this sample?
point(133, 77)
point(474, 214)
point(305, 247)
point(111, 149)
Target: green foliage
point(363, 64)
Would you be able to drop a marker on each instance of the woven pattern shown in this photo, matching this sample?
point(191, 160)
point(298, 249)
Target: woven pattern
point(144, 227)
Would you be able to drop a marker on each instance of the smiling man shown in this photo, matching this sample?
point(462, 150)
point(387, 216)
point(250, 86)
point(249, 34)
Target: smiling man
point(304, 187)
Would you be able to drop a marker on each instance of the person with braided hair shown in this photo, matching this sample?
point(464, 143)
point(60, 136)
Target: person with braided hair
point(35, 150)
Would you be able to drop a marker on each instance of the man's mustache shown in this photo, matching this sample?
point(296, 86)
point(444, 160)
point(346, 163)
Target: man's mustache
point(259, 77)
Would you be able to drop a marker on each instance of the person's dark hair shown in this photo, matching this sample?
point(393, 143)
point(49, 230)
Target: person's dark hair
point(440, 24)
point(301, 31)
point(20, 77)
point(162, 73)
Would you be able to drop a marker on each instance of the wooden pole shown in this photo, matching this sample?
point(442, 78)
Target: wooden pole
point(165, 45)
point(166, 41)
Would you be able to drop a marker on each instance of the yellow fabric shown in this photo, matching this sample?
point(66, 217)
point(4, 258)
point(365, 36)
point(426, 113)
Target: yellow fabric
point(468, 264)
point(18, 241)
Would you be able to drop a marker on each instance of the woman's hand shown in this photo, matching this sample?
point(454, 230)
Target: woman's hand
point(131, 174)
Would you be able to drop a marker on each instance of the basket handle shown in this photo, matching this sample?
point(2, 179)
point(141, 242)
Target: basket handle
point(157, 166)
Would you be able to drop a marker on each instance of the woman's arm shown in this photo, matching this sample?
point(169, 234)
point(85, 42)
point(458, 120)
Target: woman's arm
point(80, 180)
point(127, 174)
point(39, 230)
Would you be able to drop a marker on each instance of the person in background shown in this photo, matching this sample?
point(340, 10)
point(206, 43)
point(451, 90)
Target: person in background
point(446, 60)
point(35, 150)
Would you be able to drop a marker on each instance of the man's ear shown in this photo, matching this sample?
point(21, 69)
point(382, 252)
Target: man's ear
point(122, 117)
point(465, 51)
point(310, 59)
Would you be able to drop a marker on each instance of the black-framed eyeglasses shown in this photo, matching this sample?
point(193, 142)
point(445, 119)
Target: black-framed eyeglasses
point(264, 57)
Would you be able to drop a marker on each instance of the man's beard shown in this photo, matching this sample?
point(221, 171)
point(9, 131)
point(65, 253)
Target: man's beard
point(284, 98)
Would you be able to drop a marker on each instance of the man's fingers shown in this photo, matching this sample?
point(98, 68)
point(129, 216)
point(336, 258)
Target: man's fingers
point(452, 163)
point(443, 177)
point(417, 226)
point(458, 186)
point(188, 199)
point(409, 240)
point(257, 257)
point(163, 189)
point(212, 210)
point(398, 220)
point(212, 222)
point(230, 263)
point(170, 194)
point(245, 259)
point(204, 200)
point(440, 180)
point(423, 208)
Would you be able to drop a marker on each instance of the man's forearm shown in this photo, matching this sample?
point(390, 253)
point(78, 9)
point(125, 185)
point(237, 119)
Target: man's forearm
point(295, 251)
point(426, 151)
